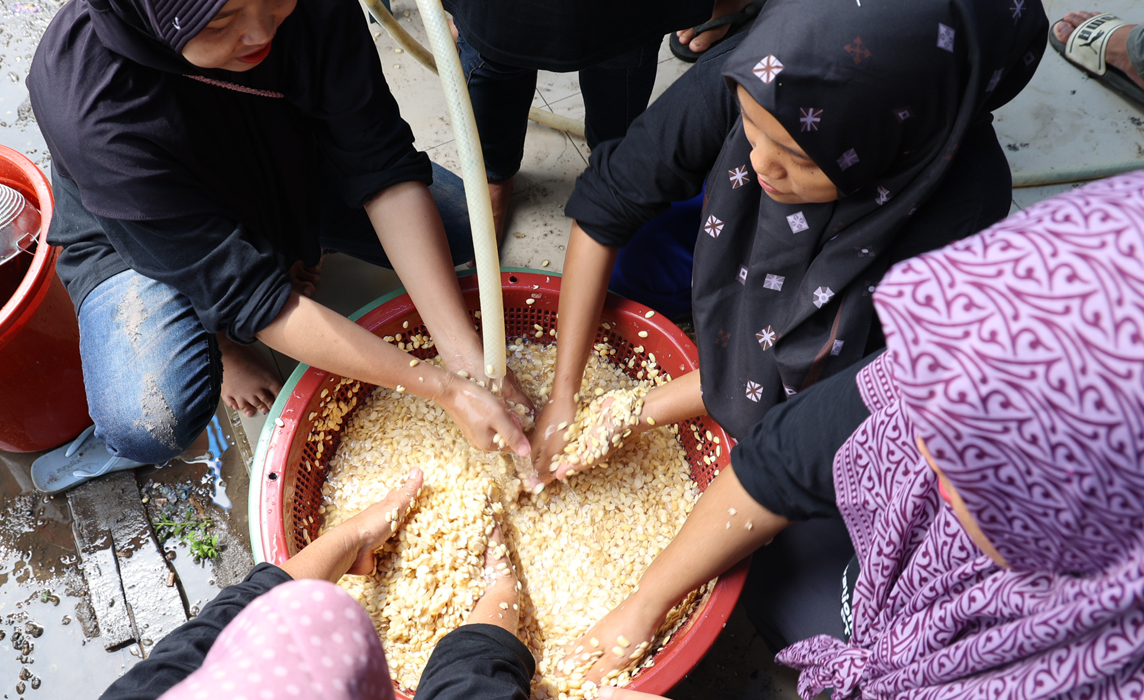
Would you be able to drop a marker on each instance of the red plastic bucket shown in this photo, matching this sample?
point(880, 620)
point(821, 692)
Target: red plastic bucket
point(42, 399)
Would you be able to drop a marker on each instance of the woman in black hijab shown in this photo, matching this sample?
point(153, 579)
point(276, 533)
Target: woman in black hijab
point(863, 138)
point(202, 151)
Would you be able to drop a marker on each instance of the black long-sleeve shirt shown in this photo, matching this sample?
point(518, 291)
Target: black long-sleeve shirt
point(473, 662)
point(212, 184)
point(182, 652)
point(664, 158)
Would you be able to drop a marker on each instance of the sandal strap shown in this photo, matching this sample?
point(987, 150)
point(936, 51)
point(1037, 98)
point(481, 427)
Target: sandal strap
point(80, 439)
point(1088, 42)
point(81, 474)
point(748, 12)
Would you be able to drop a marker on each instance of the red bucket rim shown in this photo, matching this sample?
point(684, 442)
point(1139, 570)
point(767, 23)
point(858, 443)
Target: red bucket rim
point(31, 290)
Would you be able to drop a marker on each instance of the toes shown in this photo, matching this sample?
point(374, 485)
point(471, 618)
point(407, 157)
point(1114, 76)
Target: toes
point(1062, 30)
point(685, 35)
point(243, 406)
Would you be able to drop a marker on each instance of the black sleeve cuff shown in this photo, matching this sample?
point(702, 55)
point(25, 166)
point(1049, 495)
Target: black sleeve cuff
point(414, 166)
point(182, 652)
point(266, 301)
point(478, 662)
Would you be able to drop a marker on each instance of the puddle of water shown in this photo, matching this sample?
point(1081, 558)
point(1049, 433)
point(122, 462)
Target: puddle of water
point(200, 483)
point(43, 606)
point(39, 565)
point(217, 446)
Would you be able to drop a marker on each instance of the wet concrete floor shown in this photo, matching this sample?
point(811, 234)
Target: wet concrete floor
point(49, 638)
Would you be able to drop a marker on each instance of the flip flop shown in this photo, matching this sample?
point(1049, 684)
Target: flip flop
point(83, 459)
point(737, 20)
point(1086, 48)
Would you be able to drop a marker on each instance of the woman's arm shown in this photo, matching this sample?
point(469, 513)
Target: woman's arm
point(409, 227)
point(348, 548)
point(665, 157)
point(316, 335)
point(782, 472)
point(725, 526)
point(584, 286)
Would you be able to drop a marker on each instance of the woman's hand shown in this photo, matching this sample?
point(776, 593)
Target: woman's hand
point(349, 548)
point(613, 418)
point(375, 525)
point(470, 363)
point(629, 630)
point(547, 439)
point(482, 416)
point(305, 279)
point(675, 401)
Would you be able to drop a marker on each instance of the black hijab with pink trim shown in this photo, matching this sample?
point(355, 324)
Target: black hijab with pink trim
point(880, 94)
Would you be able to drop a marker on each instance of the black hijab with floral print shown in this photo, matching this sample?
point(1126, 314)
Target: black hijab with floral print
point(879, 94)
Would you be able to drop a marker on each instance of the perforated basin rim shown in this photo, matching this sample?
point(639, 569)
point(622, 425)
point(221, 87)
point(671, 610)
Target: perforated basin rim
point(290, 464)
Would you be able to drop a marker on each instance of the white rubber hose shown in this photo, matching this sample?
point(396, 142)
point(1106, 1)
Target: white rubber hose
point(476, 183)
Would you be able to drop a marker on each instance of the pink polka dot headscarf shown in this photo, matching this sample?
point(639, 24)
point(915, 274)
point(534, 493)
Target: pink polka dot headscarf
point(302, 639)
point(1018, 355)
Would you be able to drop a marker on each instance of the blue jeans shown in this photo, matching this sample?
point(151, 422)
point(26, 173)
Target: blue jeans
point(153, 374)
point(654, 268)
point(615, 92)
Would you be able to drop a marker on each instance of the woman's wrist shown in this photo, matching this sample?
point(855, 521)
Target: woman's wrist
point(438, 385)
point(460, 349)
point(652, 600)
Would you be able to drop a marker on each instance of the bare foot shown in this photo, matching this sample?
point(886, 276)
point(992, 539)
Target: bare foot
point(1116, 53)
point(248, 384)
point(500, 603)
point(703, 41)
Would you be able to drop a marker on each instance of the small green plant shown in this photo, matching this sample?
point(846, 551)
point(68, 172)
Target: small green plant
point(192, 532)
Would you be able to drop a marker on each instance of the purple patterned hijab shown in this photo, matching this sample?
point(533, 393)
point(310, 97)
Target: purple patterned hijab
point(1018, 355)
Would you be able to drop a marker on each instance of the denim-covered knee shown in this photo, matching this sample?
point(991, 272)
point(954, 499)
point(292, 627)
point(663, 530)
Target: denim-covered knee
point(153, 430)
point(152, 373)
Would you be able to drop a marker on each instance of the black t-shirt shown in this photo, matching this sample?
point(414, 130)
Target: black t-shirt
point(568, 35)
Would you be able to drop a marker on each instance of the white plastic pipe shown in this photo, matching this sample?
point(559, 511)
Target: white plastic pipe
point(476, 183)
